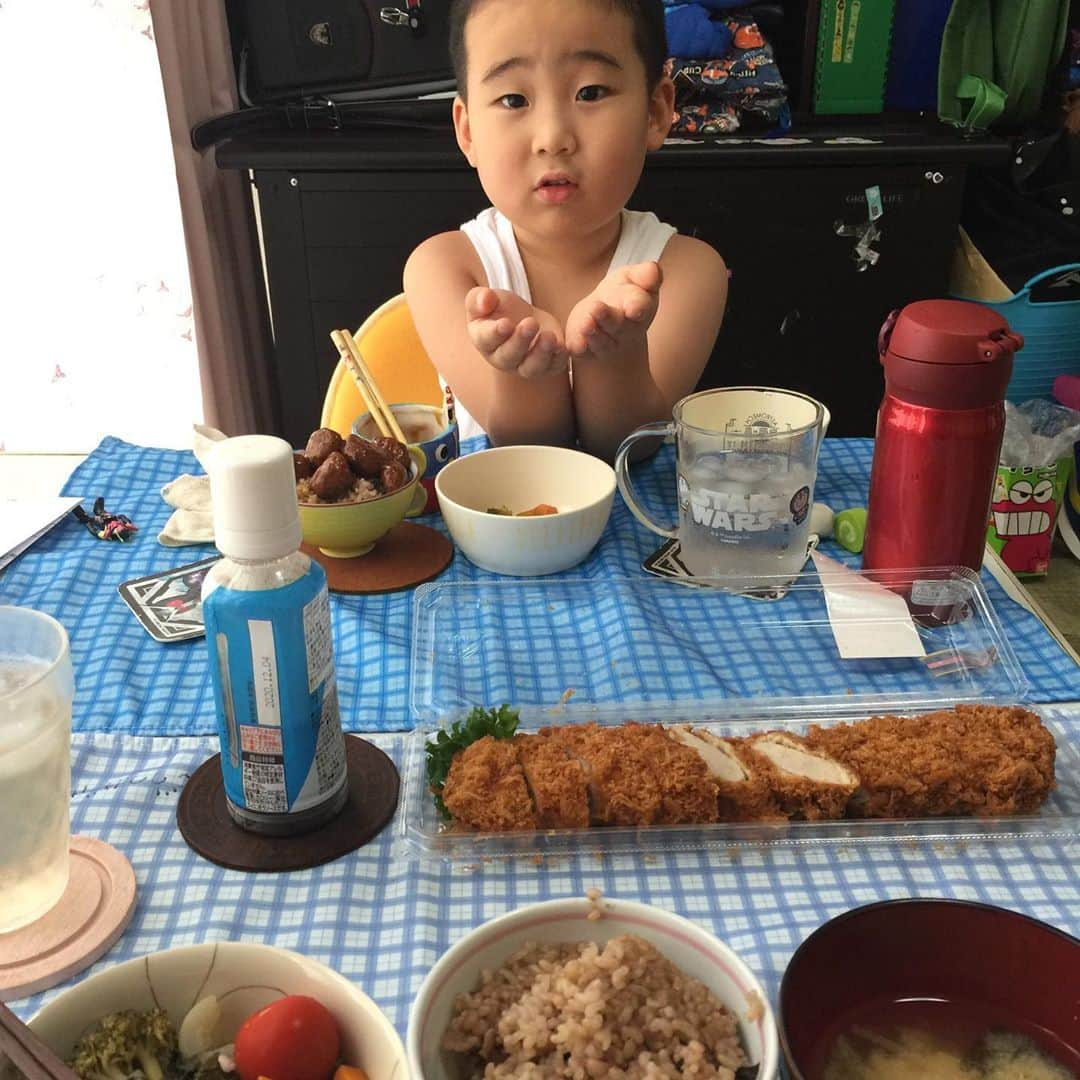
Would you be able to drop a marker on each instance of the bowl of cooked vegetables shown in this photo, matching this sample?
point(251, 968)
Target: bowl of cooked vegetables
point(526, 510)
point(224, 1011)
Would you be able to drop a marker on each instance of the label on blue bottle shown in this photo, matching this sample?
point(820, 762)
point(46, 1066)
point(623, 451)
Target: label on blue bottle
point(272, 667)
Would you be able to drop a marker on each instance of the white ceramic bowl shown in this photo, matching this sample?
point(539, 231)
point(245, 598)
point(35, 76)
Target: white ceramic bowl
point(258, 974)
point(694, 950)
point(520, 477)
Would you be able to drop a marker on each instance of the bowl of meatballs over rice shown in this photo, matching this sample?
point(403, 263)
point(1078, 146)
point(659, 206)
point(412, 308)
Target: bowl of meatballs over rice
point(352, 490)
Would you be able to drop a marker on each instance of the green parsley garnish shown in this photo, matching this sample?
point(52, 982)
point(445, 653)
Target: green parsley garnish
point(500, 723)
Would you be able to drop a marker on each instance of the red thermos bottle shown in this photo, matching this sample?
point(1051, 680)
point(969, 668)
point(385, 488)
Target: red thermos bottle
point(939, 431)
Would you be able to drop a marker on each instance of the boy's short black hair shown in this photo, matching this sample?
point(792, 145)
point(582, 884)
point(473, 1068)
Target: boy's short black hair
point(647, 17)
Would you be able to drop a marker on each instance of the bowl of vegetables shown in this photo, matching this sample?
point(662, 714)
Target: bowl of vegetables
point(224, 1011)
point(526, 510)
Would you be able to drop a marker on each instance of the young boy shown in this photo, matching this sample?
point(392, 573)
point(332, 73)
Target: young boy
point(558, 316)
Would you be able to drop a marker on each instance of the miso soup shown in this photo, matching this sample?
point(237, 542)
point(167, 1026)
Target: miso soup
point(929, 1039)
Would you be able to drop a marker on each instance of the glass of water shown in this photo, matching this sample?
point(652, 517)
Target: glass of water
point(746, 461)
point(36, 689)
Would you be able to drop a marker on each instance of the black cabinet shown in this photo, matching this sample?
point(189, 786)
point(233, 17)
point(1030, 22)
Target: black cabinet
point(341, 211)
point(801, 314)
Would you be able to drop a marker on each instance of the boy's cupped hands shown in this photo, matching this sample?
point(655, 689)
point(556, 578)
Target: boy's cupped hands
point(620, 308)
point(513, 335)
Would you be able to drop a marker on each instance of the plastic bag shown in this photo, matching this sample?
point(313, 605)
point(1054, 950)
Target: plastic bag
point(1038, 432)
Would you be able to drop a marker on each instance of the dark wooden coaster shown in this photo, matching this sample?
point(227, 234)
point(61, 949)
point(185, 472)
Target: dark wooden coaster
point(206, 826)
point(407, 555)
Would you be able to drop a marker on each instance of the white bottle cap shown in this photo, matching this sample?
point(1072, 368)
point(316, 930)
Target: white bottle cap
point(253, 496)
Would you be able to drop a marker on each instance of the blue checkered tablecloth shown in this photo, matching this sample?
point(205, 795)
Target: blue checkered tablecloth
point(127, 683)
point(383, 921)
point(143, 714)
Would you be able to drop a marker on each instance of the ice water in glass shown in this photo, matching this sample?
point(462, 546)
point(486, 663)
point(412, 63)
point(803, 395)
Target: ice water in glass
point(736, 514)
point(746, 463)
point(35, 765)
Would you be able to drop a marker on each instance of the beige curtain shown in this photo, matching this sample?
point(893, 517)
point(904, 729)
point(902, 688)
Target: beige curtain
point(231, 322)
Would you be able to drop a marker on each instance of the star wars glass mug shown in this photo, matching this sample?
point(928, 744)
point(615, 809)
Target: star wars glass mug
point(746, 460)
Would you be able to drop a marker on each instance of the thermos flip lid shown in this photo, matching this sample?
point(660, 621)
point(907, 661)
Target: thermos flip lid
point(948, 332)
point(947, 354)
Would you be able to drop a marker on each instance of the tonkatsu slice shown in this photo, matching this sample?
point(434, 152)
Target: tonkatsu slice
point(622, 787)
point(687, 789)
point(741, 793)
point(486, 787)
point(556, 781)
point(806, 783)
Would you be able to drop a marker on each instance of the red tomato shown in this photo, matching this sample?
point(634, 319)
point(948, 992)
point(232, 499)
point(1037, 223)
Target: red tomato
point(294, 1038)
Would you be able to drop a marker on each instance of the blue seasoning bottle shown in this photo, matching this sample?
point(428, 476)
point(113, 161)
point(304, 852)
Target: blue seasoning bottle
point(267, 614)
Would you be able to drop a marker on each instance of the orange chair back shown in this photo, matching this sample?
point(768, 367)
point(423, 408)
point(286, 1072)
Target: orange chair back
point(397, 361)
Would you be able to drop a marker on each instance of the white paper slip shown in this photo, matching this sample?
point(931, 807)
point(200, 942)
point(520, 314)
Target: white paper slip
point(22, 521)
point(868, 620)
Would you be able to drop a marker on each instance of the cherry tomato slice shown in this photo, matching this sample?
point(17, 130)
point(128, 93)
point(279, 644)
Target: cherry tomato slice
point(293, 1038)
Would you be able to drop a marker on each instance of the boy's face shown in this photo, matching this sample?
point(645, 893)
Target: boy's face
point(559, 113)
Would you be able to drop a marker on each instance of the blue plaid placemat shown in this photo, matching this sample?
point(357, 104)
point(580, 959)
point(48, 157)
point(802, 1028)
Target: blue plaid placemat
point(126, 682)
point(382, 921)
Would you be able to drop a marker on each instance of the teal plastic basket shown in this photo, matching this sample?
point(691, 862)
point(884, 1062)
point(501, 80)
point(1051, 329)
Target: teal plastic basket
point(1051, 331)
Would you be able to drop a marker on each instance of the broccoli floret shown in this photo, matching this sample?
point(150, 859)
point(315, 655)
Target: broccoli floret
point(156, 1049)
point(127, 1044)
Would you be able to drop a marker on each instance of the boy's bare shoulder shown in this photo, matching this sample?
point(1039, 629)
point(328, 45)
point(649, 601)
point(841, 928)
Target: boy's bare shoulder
point(694, 255)
point(447, 253)
point(442, 244)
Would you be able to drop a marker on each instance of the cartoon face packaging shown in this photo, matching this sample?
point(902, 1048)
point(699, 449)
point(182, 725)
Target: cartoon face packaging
point(1023, 513)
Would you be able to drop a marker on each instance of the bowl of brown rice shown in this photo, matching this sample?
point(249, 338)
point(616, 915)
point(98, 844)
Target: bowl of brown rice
point(588, 987)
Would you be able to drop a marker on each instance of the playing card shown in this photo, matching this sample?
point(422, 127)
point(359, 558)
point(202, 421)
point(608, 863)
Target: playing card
point(666, 562)
point(169, 604)
point(662, 563)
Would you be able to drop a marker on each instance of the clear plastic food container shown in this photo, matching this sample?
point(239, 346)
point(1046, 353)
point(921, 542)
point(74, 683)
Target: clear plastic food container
point(609, 651)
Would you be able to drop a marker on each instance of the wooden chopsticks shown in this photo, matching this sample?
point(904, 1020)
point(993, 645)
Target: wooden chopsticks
point(28, 1053)
point(381, 413)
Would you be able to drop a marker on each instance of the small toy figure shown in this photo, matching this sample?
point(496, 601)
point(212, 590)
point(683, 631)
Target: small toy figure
point(105, 525)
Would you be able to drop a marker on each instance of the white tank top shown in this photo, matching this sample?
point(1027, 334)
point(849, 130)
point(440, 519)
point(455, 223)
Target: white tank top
point(642, 238)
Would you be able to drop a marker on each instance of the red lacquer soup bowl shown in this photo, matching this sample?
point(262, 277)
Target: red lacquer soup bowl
point(950, 969)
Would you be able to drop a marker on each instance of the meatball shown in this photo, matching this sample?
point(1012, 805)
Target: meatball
point(302, 466)
point(364, 457)
point(393, 476)
point(333, 478)
point(322, 444)
point(395, 450)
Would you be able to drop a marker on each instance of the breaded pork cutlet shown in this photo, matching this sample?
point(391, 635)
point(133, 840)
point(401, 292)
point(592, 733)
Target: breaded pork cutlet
point(974, 759)
point(556, 782)
point(485, 787)
point(687, 789)
point(806, 782)
point(622, 787)
point(741, 791)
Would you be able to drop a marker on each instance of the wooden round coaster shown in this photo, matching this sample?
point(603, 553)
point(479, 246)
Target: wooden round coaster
point(83, 925)
point(407, 555)
point(206, 826)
